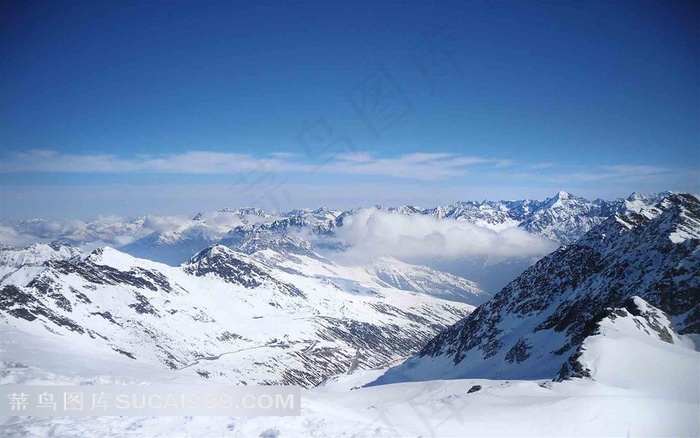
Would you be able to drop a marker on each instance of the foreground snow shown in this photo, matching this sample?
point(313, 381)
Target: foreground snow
point(648, 390)
point(436, 408)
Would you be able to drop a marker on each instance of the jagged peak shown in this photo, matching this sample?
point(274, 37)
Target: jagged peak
point(559, 198)
point(685, 200)
point(214, 250)
point(217, 253)
point(635, 197)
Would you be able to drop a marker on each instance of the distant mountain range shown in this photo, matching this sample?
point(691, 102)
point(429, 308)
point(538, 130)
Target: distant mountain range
point(562, 218)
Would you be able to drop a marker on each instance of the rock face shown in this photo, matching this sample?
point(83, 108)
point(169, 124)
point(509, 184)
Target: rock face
point(225, 264)
point(538, 321)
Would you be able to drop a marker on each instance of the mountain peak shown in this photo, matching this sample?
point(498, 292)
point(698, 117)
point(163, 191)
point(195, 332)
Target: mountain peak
point(635, 197)
point(559, 199)
point(212, 251)
point(108, 256)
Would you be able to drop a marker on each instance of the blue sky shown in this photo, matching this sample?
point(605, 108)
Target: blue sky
point(131, 108)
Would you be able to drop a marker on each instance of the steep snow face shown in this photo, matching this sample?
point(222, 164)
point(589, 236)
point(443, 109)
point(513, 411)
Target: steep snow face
point(36, 254)
point(224, 264)
point(223, 315)
point(531, 327)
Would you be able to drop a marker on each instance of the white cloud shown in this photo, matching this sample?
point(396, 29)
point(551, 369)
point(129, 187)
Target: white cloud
point(11, 237)
point(373, 233)
point(112, 230)
point(563, 175)
point(194, 162)
point(423, 166)
point(418, 166)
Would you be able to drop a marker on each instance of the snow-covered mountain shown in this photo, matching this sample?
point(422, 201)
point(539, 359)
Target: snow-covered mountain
point(104, 230)
point(172, 240)
point(565, 218)
point(174, 245)
point(33, 255)
point(226, 315)
point(539, 321)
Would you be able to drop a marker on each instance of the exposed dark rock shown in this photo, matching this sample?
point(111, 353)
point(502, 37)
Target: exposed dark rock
point(223, 263)
point(474, 389)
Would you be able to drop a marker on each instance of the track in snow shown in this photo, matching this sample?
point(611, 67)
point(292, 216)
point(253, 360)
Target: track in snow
point(217, 357)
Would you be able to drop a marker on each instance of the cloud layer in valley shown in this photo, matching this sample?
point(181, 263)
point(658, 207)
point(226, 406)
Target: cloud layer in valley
point(373, 233)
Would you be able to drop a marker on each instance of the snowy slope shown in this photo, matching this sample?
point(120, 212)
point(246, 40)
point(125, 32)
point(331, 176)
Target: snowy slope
point(655, 400)
point(641, 332)
point(293, 255)
point(537, 322)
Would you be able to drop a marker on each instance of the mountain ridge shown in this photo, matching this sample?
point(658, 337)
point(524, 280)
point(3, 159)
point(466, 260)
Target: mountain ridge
point(533, 325)
point(150, 231)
